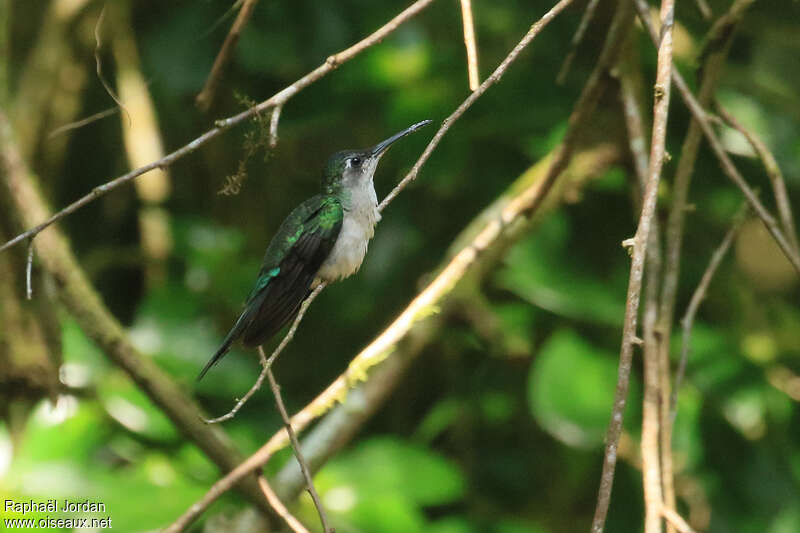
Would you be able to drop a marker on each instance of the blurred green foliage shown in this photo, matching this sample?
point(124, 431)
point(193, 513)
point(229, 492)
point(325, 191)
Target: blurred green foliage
point(499, 434)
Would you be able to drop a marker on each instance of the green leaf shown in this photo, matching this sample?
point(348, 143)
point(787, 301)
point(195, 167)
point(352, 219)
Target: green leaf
point(571, 389)
point(542, 271)
point(386, 465)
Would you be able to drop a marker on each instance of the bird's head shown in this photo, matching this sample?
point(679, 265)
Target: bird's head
point(352, 169)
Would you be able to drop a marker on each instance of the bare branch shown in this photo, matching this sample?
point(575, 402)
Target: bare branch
point(466, 104)
point(651, 468)
point(588, 15)
point(469, 42)
point(676, 520)
point(273, 126)
point(267, 363)
point(278, 99)
point(721, 34)
point(293, 523)
point(276, 391)
point(704, 9)
point(687, 322)
point(773, 171)
point(28, 271)
point(206, 96)
point(99, 65)
point(83, 122)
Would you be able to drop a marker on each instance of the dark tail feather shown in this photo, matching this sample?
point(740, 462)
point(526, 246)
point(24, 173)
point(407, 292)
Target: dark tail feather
point(232, 335)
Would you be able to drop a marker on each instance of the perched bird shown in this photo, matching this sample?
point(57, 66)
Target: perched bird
point(324, 239)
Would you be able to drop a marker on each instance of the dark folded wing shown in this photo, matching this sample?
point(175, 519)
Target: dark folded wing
point(278, 295)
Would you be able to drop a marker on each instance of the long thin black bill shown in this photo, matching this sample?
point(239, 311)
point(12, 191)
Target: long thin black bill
point(383, 145)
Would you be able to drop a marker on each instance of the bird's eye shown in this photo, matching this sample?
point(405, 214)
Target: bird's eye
point(355, 161)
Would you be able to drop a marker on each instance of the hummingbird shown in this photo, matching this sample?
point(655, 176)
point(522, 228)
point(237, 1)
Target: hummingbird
point(324, 239)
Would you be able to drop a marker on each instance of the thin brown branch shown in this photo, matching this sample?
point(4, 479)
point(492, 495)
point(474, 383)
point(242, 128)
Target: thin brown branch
point(773, 171)
point(99, 64)
point(651, 458)
point(206, 96)
point(267, 363)
point(466, 104)
point(719, 40)
point(83, 122)
point(469, 43)
point(586, 19)
point(28, 271)
point(276, 392)
point(721, 34)
point(278, 99)
point(687, 322)
point(704, 9)
point(293, 523)
point(273, 126)
point(652, 337)
point(676, 520)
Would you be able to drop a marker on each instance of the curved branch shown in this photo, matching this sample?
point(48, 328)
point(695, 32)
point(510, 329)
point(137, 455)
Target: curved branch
point(278, 99)
point(206, 96)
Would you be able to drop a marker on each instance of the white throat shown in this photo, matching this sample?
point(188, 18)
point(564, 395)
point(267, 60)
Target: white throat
point(358, 227)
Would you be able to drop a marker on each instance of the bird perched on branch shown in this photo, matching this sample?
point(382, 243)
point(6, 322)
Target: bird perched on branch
point(324, 239)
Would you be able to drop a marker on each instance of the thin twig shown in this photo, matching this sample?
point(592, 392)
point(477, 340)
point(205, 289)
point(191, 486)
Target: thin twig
point(273, 126)
point(28, 272)
point(651, 469)
point(99, 65)
point(721, 34)
point(267, 363)
point(83, 122)
point(279, 98)
point(587, 17)
point(206, 96)
point(676, 520)
point(276, 503)
point(469, 42)
point(466, 104)
point(718, 43)
point(687, 322)
point(704, 9)
point(276, 391)
point(653, 265)
point(773, 171)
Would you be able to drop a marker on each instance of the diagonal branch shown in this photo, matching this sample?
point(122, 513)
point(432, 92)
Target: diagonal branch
point(773, 171)
point(276, 392)
point(206, 96)
point(687, 322)
point(221, 126)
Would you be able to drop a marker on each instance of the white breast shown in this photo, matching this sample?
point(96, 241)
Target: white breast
point(358, 227)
